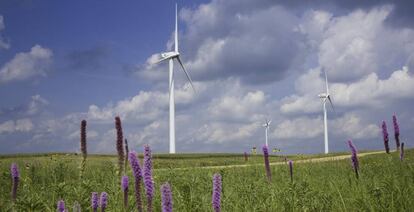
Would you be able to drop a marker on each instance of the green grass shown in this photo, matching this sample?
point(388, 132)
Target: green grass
point(385, 183)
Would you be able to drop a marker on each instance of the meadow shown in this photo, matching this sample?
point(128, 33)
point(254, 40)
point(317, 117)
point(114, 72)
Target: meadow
point(385, 182)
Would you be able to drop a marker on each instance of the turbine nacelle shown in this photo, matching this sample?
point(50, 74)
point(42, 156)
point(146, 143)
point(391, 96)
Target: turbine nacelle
point(323, 95)
point(168, 55)
point(267, 124)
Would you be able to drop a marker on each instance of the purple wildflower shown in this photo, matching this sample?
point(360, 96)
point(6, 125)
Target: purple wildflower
point(354, 158)
point(124, 185)
point(402, 152)
point(385, 135)
point(291, 170)
point(94, 201)
point(216, 199)
point(119, 144)
point(396, 131)
point(166, 198)
point(266, 161)
point(246, 156)
point(15, 180)
point(104, 201)
point(61, 206)
point(83, 147)
point(126, 154)
point(83, 139)
point(136, 171)
point(147, 172)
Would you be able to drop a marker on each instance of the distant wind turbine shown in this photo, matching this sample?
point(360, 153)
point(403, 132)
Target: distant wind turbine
point(326, 96)
point(266, 125)
point(170, 56)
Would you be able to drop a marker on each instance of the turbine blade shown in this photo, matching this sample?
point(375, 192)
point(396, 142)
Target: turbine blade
point(176, 29)
point(326, 82)
point(330, 101)
point(163, 59)
point(186, 73)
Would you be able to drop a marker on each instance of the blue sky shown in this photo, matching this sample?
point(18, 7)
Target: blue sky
point(61, 62)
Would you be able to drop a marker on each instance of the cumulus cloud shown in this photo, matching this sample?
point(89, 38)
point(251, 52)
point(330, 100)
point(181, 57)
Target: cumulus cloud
point(35, 107)
point(147, 105)
point(242, 108)
point(302, 127)
point(347, 126)
point(361, 43)
point(350, 126)
point(237, 39)
point(238, 52)
point(36, 104)
point(13, 126)
point(232, 103)
point(219, 112)
point(226, 133)
point(26, 65)
point(370, 91)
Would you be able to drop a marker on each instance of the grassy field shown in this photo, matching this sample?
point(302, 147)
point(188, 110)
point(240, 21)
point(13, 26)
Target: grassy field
point(385, 184)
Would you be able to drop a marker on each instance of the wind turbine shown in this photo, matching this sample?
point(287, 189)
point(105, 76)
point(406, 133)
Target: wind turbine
point(266, 125)
point(170, 56)
point(326, 96)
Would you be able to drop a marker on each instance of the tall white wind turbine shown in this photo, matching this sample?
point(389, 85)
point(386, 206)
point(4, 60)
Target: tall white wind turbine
point(326, 96)
point(170, 56)
point(266, 125)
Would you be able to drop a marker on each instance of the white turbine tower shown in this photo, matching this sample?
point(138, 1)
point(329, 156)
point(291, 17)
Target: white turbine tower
point(170, 56)
point(266, 125)
point(326, 96)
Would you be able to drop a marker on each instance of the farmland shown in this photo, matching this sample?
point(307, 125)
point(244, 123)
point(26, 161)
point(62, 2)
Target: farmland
point(385, 182)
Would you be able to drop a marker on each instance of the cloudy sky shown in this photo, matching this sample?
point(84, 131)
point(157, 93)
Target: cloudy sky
point(64, 61)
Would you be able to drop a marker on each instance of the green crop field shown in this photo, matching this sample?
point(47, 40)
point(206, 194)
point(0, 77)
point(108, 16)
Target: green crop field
point(385, 183)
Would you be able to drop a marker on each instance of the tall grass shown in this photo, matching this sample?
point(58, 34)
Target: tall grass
point(385, 184)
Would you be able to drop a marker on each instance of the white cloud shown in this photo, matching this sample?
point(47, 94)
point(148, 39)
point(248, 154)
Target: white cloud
point(36, 104)
point(242, 107)
point(373, 91)
point(27, 65)
point(348, 49)
point(348, 126)
point(236, 39)
point(352, 127)
point(3, 44)
point(224, 133)
point(314, 24)
point(360, 43)
point(369, 91)
point(7, 127)
point(146, 105)
point(228, 43)
point(20, 125)
point(219, 112)
point(302, 128)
